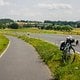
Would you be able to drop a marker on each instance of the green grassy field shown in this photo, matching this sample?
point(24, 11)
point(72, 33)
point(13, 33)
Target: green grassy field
point(3, 43)
point(75, 31)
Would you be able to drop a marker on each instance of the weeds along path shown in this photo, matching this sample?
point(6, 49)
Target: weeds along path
point(21, 62)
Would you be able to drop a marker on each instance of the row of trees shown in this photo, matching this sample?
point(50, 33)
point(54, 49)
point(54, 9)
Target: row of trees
point(48, 25)
point(58, 27)
point(8, 23)
point(5, 21)
point(12, 26)
point(71, 23)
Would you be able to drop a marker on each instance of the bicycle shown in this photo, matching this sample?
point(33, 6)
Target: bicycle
point(68, 55)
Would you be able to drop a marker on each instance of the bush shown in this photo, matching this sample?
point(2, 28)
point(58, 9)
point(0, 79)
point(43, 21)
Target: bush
point(3, 26)
point(63, 28)
point(50, 27)
point(13, 26)
point(78, 25)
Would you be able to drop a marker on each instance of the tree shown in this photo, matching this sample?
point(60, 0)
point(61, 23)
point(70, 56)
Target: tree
point(4, 21)
point(3, 26)
point(50, 27)
point(63, 28)
point(13, 26)
point(78, 25)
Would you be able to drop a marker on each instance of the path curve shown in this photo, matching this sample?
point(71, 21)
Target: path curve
point(56, 38)
point(21, 62)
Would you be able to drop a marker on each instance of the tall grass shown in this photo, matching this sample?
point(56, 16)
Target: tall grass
point(3, 43)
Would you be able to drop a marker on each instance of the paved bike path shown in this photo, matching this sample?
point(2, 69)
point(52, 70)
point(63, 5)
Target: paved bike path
point(21, 62)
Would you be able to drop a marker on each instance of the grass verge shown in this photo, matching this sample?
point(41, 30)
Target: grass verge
point(3, 43)
point(51, 55)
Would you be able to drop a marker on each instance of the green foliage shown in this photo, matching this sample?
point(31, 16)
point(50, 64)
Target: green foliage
point(4, 21)
point(71, 23)
point(2, 26)
point(57, 27)
point(70, 71)
point(78, 25)
point(50, 27)
point(63, 28)
point(3, 42)
point(13, 26)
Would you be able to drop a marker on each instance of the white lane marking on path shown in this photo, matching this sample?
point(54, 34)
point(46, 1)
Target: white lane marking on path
point(5, 50)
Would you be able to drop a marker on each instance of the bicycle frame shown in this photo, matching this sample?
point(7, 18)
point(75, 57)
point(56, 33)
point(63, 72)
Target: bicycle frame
point(66, 52)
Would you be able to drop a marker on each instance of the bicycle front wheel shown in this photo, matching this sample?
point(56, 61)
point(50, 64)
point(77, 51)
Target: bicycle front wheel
point(70, 57)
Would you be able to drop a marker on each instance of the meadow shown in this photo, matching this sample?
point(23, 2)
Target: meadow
point(75, 31)
point(3, 43)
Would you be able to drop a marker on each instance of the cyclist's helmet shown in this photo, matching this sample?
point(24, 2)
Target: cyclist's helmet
point(70, 39)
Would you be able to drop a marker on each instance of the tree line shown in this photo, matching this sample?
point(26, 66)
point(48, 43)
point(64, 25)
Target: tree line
point(48, 25)
point(71, 23)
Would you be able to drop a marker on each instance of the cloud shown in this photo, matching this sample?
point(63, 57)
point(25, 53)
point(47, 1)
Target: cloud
point(3, 3)
point(24, 12)
point(55, 6)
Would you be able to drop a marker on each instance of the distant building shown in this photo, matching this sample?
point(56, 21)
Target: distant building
point(43, 25)
point(21, 23)
point(34, 24)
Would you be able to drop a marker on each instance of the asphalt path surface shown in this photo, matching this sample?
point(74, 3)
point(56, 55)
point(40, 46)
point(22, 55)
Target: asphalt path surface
point(55, 38)
point(22, 62)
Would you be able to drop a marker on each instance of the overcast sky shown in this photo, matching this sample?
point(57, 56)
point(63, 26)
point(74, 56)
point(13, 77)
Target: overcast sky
point(40, 9)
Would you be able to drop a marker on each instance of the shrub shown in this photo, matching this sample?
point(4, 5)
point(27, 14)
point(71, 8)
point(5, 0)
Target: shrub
point(2, 26)
point(63, 28)
point(13, 26)
point(50, 27)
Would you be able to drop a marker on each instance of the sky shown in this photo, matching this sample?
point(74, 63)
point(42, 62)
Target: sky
point(40, 10)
